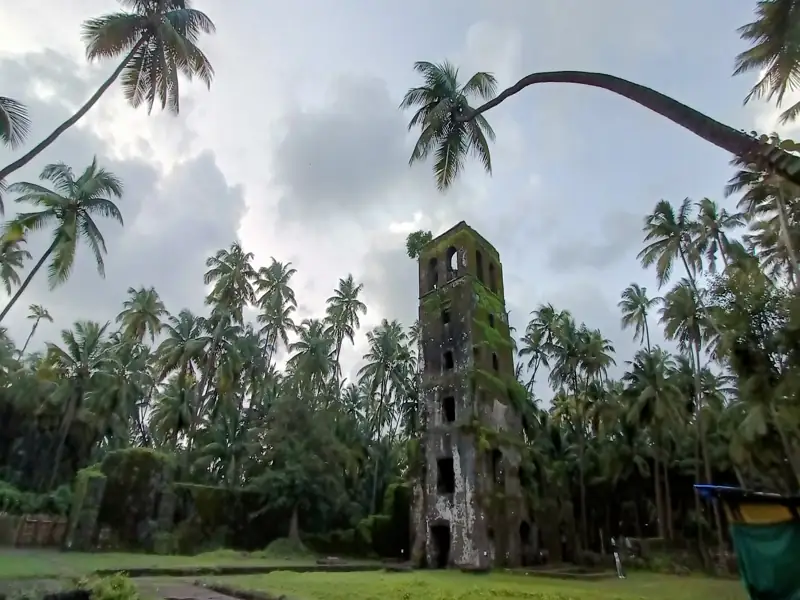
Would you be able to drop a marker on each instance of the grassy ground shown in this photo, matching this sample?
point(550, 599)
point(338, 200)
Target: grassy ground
point(441, 585)
point(19, 564)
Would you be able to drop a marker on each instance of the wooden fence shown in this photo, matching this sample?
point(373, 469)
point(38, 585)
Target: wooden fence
point(31, 531)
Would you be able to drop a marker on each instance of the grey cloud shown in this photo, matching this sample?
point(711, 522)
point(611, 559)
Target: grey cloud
point(172, 222)
point(391, 282)
point(345, 160)
point(617, 236)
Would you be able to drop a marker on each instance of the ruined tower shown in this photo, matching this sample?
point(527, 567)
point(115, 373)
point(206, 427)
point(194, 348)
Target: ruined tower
point(469, 507)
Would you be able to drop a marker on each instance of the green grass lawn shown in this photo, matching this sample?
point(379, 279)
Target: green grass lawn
point(447, 585)
point(18, 564)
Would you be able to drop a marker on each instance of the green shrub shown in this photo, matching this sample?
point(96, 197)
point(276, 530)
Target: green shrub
point(164, 543)
point(286, 548)
point(136, 478)
point(16, 502)
point(115, 587)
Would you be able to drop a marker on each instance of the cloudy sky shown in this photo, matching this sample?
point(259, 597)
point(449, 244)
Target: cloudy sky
point(299, 150)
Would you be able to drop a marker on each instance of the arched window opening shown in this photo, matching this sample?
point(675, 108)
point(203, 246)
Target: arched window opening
point(479, 265)
point(452, 263)
point(492, 278)
point(433, 274)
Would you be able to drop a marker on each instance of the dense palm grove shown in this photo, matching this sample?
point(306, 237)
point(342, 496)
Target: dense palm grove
point(265, 404)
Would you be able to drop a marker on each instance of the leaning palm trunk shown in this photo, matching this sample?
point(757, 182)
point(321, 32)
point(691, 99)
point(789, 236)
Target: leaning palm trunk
point(28, 279)
point(36, 150)
point(736, 142)
point(28, 340)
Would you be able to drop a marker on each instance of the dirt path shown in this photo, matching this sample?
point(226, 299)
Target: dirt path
point(177, 589)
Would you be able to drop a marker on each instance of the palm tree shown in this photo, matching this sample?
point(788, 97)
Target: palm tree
point(441, 96)
point(686, 321)
point(713, 223)
point(71, 205)
point(14, 122)
point(12, 257)
point(635, 307)
point(342, 314)
point(159, 41)
point(141, 314)
point(37, 313)
point(771, 205)
point(774, 52)
point(80, 359)
point(668, 234)
point(653, 393)
point(444, 112)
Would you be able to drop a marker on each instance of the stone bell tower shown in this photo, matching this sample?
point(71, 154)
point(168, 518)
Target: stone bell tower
point(468, 506)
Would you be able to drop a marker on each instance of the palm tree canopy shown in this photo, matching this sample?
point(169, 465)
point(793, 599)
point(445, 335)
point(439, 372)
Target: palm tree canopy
point(774, 52)
point(441, 97)
point(70, 206)
point(163, 38)
point(15, 123)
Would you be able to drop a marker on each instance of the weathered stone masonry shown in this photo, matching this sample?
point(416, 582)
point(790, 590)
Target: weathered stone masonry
point(468, 504)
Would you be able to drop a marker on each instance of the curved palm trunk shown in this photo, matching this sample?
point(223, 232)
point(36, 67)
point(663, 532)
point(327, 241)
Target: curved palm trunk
point(38, 148)
point(30, 335)
point(28, 279)
point(736, 142)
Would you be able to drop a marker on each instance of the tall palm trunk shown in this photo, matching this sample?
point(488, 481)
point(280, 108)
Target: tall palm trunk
point(378, 422)
point(658, 490)
point(668, 499)
point(31, 154)
point(786, 237)
point(30, 335)
point(736, 142)
point(66, 422)
point(704, 447)
point(200, 393)
point(647, 334)
point(28, 279)
point(722, 252)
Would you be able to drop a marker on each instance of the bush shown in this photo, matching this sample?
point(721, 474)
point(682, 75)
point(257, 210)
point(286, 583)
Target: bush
point(213, 517)
point(115, 587)
point(286, 548)
point(16, 502)
point(135, 479)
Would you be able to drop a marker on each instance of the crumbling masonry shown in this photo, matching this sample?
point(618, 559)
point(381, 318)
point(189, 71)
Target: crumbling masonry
point(469, 509)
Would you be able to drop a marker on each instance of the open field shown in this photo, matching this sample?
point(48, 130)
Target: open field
point(446, 585)
point(19, 564)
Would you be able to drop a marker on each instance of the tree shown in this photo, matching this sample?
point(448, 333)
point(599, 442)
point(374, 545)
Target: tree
point(142, 314)
point(15, 123)
point(37, 313)
point(774, 53)
point(342, 315)
point(416, 241)
point(450, 140)
point(70, 205)
point(12, 257)
point(635, 307)
point(444, 117)
point(158, 40)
